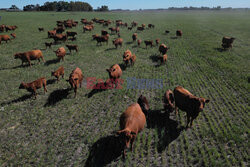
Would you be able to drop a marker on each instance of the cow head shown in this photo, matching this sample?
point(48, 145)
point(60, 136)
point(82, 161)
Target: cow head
point(143, 102)
point(126, 136)
point(168, 101)
point(22, 85)
point(112, 70)
point(126, 56)
point(200, 103)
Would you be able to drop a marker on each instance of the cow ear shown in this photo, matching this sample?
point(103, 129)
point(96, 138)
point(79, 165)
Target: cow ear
point(207, 101)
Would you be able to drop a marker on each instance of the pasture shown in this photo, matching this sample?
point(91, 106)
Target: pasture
point(57, 129)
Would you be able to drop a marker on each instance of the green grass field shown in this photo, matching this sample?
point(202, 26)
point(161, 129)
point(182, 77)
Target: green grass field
point(58, 130)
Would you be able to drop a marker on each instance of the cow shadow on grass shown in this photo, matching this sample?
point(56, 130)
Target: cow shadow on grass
point(51, 81)
point(20, 99)
point(20, 66)
point(53, 61)
point(174, 37)
point(97, 88)
point(57, 96)
point(168, 129)
point(123, 66)
point(155, 58)
point(110, 49)
point(128, 43)
point(220, 49)
point(104, 151)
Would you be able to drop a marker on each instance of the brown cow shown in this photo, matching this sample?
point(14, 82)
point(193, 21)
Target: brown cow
point(88, 28)
point(33, 86)
point(59, 72)
point(148, 42)
point(157, 41)
point(71, 34)
point(118, 42)
point(103, 38)
point(189, 103)
point(60, 53)
point(132, 121)
point(51, 33)
point(164, 58)
point(30, 55)
point(130, 28)
point(139, 41)
point(127, 57)
point(168, 102)
point(13, 35)
point(115, 72)
point(72, 47)
point(178, 33)
point(2, 27)
point(227, 42)
point(134, 24)
point(48, 44)
point(10, 28)
point(75, 79)
point(140, 28)
point(114, 29)
point(143, 25)
point(60, 37)
point(163, 49)
point(5, 38)
point(134, 37)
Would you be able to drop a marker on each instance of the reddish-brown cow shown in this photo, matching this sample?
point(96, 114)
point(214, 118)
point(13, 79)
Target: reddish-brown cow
point(30, 55)
point(59, 72)
point(75, 79)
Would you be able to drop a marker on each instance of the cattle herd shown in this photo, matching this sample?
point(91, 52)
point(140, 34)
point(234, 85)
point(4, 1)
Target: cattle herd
point(133, 120)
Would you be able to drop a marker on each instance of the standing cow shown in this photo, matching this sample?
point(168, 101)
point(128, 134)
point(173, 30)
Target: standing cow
point(75, 79)
point(132, 121)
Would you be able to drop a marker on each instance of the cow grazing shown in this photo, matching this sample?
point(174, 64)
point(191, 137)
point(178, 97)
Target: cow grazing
point(5, 38)
point(2, 27)
point(139, 42)
point(134, 37)
point(164, 58)
point(33, 86)
point(157, 41)
point(60, 53)
point(227, 42)
point(59, 72)
point(71, 34)
point(151, 26)
point(104, 32)
point(30, 55)
point(103, 38)
point(128, 58)
point(48, 44)
point(13, 35)
point(163, 49)
point(168, 102)
point(140, 28)
point(115, 72)
point(75, 79)
point(178, 33)
point(148, 42)
point(88, 28)
point(40, 29)
point(132, 121)
point(72, 47)
point(134, 24)
point(189, 103)
point(59, 30)
point(167, 32)
point(118, 42)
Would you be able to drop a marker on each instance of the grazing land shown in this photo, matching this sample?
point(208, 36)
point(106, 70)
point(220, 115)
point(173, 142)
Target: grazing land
point(57, 129)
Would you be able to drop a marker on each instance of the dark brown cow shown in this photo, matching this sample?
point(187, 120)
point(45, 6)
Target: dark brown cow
point(227, 42)
point(59, 30)
point(33, 86)
point(2, 27)
point(72, 47)
point(104, 32)
point(71, 34)
point(163, 49)
point(130, 28)
point(168, 102)
point(75, 79)
point(178, 33)
point(103, 38)
point(134, 37)
point(118, 42)
point(148, 42)
point(189, 103)
point(132, 121)
point(40, 29)
point(59, 72)
point(48, 44)
point(30, 55)
point(60, 53)
point(5, 38)
point(140, 28)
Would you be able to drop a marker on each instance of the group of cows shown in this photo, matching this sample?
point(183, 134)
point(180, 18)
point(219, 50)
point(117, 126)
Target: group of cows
point(133, 120)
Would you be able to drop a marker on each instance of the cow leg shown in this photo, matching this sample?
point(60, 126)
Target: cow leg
point(45, 89)
point(132, 141)
point(188, 120)
point(176, 110)
point(75, 90)
point(29, 63)
point(192, 119)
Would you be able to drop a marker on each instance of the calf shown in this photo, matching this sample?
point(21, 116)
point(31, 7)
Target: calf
point(115, 73)
point(60, 53)
point(168, 102)
point(10, 28)
point(148, 42)
point(132, 121)
point(40, 29)
point(5, 38)
point(163, 49)
point(59, 72)
point(134, 37)
point(189, 103)
point(48, 44)
point(75, 79)
point(60, 37)
point(118, 42)
point(30, 55)
point(178, 33)
point(72, 47)
point(33, 86)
